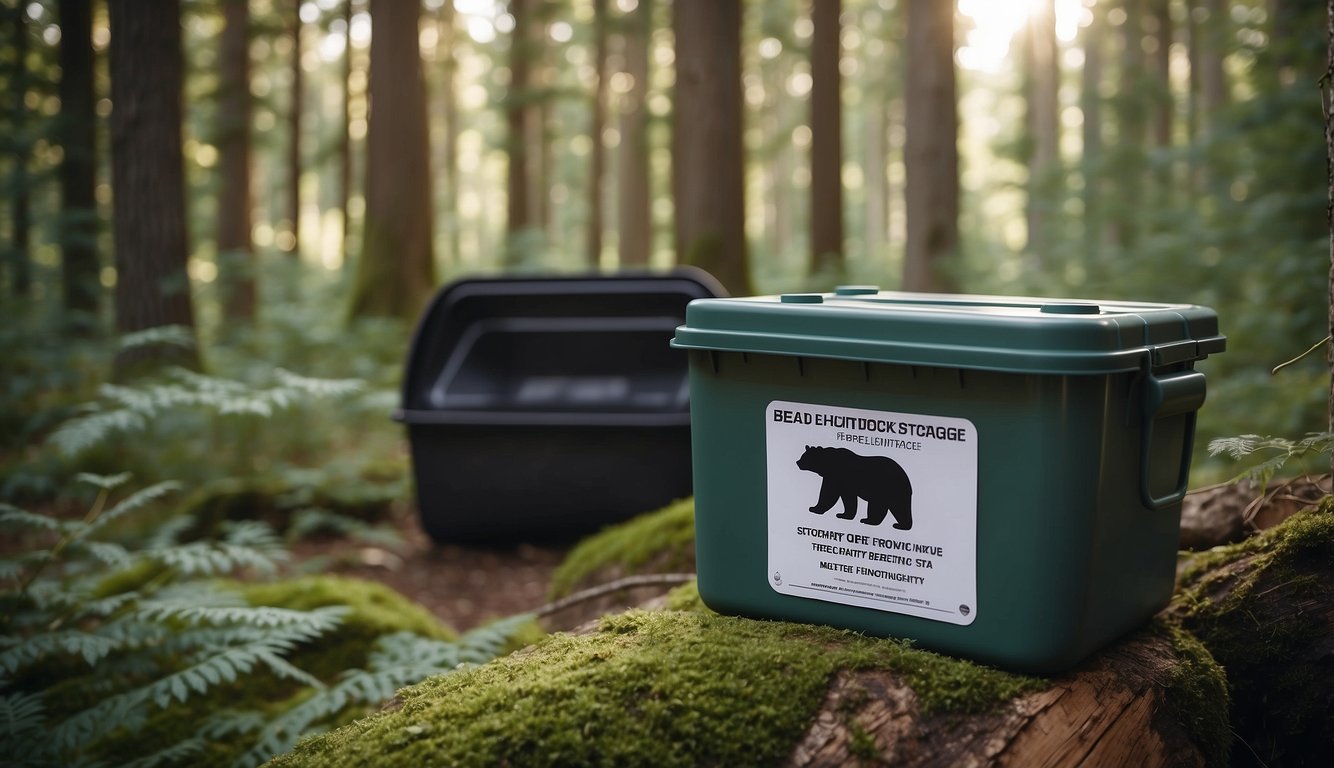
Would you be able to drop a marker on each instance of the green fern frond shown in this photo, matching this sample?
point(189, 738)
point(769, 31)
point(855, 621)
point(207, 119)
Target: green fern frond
point(13, 517)
point(65, 642)
point(20, 712)
point(254, 616)
point(319, 387)
point(83, 432)
point(1285, 450)
point(218, 558)
point(105, 552)
point(398, 660)
point(105, 482)
point(174, 335)
point(176, 754)
point(132, 503)
point(226, 664)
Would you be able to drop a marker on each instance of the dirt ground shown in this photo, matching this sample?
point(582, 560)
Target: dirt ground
point(464, 586)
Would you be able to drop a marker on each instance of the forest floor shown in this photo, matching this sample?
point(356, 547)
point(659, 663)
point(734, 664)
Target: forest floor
point(464, 586)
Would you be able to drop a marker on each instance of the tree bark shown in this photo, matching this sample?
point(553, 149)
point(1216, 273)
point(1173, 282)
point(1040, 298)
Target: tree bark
point(1245, 648)
point(80, 275)
point(931, 153)
point(1127, 158)
point(518, 218)
point(708, 160)
point(294, 120)
point(345, 137)
point(826, 120)
point(148, 178)
point(1091, 163)
point(598, 153)
point(396, 272)
point(635, 238)
point(1326, 88)
point(236, 253)
point(450, 107)
point(20, 146)
point(1044, 78)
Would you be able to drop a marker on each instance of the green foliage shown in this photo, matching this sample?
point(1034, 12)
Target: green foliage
point(113, 648)
point(130, 409)
point(648, 688)
point(1280, 452)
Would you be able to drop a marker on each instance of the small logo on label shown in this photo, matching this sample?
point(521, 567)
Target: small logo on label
point(778, 577)
point(964, 610)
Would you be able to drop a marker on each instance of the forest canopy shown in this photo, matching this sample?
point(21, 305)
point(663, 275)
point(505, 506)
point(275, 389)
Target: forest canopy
point(231, 157)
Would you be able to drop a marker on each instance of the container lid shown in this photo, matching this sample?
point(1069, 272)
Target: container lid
point(995, 333)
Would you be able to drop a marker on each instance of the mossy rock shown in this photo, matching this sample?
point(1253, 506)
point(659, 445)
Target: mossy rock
point(656, 542)
point(656, 688)
point(1278, 653)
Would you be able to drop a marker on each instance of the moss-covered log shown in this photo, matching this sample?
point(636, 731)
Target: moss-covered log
point(1247, 638)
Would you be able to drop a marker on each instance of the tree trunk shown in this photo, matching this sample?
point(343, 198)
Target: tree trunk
point(345, 137)
point(931, 153)
point(236, 253)
point(708, 160)
point(517, 220)
point(1044, 160)
point(1127, 158)
point(148, 180)
point(294, 136)
point(826, 190)
point(396, 272)
point(635, 237)
point(80, 276)
point(450, 107)
point(1326, 86)
point(1091, 162)
point(20, 145)
point(598, 153)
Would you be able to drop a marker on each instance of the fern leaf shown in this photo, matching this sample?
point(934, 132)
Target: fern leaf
point(133, 502)
point(105, 552)
point(319, 387)
point(13, 517)
point(176, 754)
point(61, 642)
point(105, 482)
point(174, 335)
point(83, 432)
point(20, 712)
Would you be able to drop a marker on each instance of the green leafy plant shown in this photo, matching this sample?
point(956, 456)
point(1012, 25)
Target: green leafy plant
point(111, 647)
point(1275, 452)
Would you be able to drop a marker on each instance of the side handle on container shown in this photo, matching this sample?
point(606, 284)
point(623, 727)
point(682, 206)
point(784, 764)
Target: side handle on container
point(1170, 395)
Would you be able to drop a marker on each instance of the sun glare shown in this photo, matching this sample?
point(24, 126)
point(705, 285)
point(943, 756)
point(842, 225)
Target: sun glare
point(995, 23)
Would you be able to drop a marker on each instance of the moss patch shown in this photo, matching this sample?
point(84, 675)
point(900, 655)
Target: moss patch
point(655, 688)
point(665, 538)
point(1277, 653)
point(1196, 695)
point(375, 610)
point(686, 598)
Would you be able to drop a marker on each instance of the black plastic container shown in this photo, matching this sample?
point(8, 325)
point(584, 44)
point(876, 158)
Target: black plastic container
point(547, 407)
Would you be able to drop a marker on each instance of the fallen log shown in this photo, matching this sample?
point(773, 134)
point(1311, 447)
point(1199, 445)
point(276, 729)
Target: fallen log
point(1244, 649)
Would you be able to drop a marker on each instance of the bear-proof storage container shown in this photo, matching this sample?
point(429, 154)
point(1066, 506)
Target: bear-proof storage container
point(548, 407)
point(994, 477)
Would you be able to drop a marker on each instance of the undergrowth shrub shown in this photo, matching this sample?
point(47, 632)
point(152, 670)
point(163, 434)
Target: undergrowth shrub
point(133, 651)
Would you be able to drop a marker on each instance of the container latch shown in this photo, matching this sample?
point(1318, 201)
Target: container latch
point(1166, 396)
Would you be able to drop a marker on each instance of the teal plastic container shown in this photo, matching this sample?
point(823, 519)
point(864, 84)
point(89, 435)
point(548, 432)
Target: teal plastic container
point(993, 477)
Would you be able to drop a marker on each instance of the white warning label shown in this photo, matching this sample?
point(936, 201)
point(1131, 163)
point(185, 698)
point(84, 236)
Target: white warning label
point(874, 509)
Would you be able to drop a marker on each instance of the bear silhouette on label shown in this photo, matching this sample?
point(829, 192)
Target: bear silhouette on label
point(849, 476)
